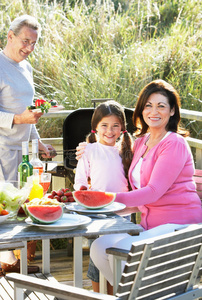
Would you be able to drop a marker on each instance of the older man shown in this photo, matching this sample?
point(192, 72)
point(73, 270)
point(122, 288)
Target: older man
point(17, 123)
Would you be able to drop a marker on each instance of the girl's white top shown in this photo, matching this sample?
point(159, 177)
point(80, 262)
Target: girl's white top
point(103, 165)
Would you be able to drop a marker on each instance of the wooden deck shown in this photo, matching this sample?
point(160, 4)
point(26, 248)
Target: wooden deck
point(61, 270)
point(62, 266)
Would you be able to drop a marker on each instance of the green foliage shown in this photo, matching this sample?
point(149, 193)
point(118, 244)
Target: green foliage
point(111, 49)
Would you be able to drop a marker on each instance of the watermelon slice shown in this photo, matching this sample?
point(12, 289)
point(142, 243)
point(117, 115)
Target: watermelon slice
point(93, 199)
point(44, 214)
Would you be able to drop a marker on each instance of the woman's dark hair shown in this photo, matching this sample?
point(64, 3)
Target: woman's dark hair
point(110, 108)
point(158, 87)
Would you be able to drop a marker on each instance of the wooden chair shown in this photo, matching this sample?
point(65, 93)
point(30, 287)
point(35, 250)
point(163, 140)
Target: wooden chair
point(117, 256)
point(165, 267)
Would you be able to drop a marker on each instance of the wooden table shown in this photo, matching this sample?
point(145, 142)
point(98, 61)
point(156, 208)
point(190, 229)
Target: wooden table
point(19, 231)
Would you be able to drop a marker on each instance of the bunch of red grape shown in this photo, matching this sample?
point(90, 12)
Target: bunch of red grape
point(62, 195)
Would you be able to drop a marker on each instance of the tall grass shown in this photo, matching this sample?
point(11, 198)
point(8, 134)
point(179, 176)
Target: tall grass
point(105, 49)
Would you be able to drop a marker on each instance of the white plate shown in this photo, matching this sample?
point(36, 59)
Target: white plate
point(67, 222)
point(51, 109)
point(115, 206)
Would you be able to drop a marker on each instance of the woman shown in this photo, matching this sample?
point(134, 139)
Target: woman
point(160, 174)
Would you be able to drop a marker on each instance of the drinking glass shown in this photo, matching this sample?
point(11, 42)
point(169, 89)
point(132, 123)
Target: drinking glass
point(45, 180)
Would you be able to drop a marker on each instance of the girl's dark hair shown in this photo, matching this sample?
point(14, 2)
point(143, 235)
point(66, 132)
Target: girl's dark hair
point(110, 108)
point(158, 87)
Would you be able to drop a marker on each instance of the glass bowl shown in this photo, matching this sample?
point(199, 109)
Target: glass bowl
point(12, 197)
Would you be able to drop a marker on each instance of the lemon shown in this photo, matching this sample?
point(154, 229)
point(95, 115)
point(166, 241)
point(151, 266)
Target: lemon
point(36, 191)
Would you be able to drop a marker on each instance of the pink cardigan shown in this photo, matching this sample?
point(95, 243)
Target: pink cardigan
point(168, 193)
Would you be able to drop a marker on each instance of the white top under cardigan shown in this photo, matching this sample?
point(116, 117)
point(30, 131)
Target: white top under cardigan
point(136, 170)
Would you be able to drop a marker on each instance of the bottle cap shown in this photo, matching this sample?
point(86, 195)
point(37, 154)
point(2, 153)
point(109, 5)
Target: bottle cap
point(25, 148)
point(35, 146)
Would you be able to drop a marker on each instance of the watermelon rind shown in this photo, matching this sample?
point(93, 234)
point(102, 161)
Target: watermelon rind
point(84, 197)
point(44, 214)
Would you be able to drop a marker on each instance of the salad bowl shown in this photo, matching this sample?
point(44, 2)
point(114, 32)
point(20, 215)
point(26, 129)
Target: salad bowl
point(12, 197)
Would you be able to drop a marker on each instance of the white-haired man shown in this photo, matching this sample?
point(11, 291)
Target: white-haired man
point(17, 123)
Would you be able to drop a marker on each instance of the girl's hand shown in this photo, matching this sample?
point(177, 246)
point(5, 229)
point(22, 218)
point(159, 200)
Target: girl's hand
point(80, 149)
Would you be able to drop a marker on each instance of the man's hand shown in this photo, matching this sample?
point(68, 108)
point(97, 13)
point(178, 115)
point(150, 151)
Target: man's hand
point(27, 117)
point(49, 151)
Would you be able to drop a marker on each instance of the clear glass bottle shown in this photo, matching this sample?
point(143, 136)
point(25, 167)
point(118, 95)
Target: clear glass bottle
point(25, 168)
point(35, 161)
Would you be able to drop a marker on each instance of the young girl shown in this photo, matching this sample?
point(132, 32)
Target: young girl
point(105, 160)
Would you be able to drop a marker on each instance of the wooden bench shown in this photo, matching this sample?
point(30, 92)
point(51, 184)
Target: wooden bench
point(164, 267)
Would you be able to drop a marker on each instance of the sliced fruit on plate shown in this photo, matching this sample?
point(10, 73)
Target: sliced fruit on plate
point(45, 214)
point(44, 211)
point(93, 199)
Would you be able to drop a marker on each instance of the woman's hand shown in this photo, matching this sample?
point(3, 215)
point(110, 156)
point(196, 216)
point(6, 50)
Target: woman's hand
point(80, 149)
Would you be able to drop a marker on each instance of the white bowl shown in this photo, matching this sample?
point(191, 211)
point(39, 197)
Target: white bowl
point(3, 218)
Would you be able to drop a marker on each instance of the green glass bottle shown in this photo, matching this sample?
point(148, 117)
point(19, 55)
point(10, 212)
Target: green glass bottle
point(25, 168)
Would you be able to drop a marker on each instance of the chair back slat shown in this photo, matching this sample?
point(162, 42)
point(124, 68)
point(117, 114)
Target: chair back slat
point(169, 268)
point(186, 267)
point(186, 250)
